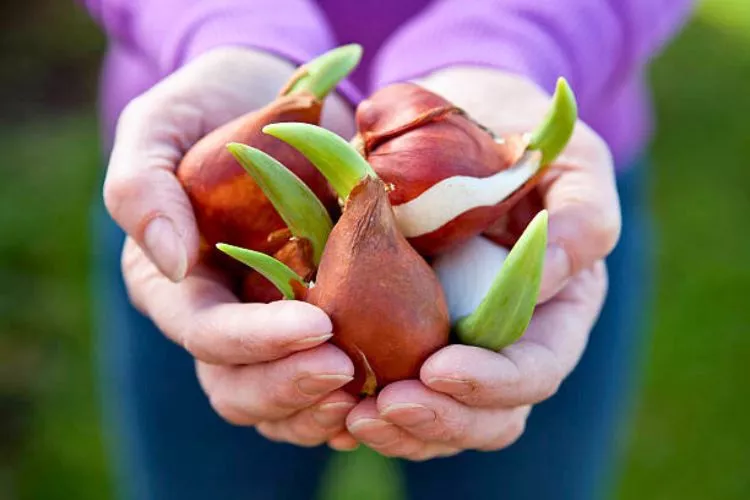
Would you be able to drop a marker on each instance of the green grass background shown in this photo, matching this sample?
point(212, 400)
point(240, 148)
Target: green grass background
point(690, 439)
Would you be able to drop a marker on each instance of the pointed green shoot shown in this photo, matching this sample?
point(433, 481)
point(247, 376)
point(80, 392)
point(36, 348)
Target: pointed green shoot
point(553, 134)
point(273, 270)
point(505, 312)
point(336, 159)
point(322, 74)
point(304, 214)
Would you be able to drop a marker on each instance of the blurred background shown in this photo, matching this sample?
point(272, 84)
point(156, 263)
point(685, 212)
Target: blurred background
point(690, 439)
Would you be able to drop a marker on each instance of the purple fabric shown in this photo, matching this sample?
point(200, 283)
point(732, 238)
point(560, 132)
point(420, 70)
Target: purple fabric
point(600, 46)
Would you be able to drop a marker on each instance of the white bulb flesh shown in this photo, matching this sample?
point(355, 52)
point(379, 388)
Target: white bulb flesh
point(466, 274)
point(453, 196)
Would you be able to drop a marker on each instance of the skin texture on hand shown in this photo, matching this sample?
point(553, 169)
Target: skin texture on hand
point(265, 365)
point(472, 398)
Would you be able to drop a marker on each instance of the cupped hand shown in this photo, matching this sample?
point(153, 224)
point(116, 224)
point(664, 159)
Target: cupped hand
point(262, 365)
point(578, 190)
point(472, 398)
point(156, 129)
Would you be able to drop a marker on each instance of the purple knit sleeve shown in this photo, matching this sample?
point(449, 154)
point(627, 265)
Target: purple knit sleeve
point(170, 33)
point(595, 44)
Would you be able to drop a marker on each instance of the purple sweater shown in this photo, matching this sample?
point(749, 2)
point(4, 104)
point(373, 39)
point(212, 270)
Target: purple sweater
point(600, 46)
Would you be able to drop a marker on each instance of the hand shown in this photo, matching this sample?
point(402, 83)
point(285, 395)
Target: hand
point(472, 398)
point(263, 365)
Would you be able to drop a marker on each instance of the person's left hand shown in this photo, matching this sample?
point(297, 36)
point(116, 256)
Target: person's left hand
point(472, 398)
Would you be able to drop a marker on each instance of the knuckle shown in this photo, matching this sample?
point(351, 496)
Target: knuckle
point(450, 430)
point(400, 448)
point(419, 456)
point(605, 229)
point(429, 452)
point(549, 389)
point(270, 431)
point(192, 338)
point(600, 278)
point(287, 397)
point(136, 112)
point(307, 434)
point(308, 442)
point(602, 229)
point(550, 381)
point(389, 452)
point(269, 347)
point(118, 190)
point(511, 433)
point(229, 411)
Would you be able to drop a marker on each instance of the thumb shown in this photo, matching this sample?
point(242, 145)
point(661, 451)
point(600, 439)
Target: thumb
point(580, 193)
point(141, 191)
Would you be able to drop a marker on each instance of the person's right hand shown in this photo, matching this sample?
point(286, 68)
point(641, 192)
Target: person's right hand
point(263, 365)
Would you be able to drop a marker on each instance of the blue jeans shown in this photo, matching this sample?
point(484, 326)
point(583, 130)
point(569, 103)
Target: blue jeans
point(169, 444)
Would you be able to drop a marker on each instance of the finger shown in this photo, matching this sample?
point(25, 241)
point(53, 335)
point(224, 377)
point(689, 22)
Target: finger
point(434, 417)
point(248, 395)
point(343, 441)
point(312, 426)
point(580, 193)
point(141, 192)
point(365, 424)
point(203, 315)
point(433, 450)
point(532, 369)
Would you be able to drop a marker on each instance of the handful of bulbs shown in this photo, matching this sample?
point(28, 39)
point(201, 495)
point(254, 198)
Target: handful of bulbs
point(377, 231)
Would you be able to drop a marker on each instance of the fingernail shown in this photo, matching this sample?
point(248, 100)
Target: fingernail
point(409, 414)
point(315, 385)
point(165, 248)
point(307, 343)
point(451, 386)
point(556, 271)
point(374, 431)
point(330, 414)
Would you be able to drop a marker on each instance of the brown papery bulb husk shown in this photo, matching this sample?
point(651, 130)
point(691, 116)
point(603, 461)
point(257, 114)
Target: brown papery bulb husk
point(386, 304)
point(506, 230)
point(298, 255)
point(414, 138)
point(228, 204)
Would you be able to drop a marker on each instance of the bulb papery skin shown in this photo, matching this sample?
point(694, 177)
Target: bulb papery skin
point(450, 198)
point(386, 304)
point(229, 206)
point(466, 273)
point(506, 230)
point(297, 254)
point(421, 145)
